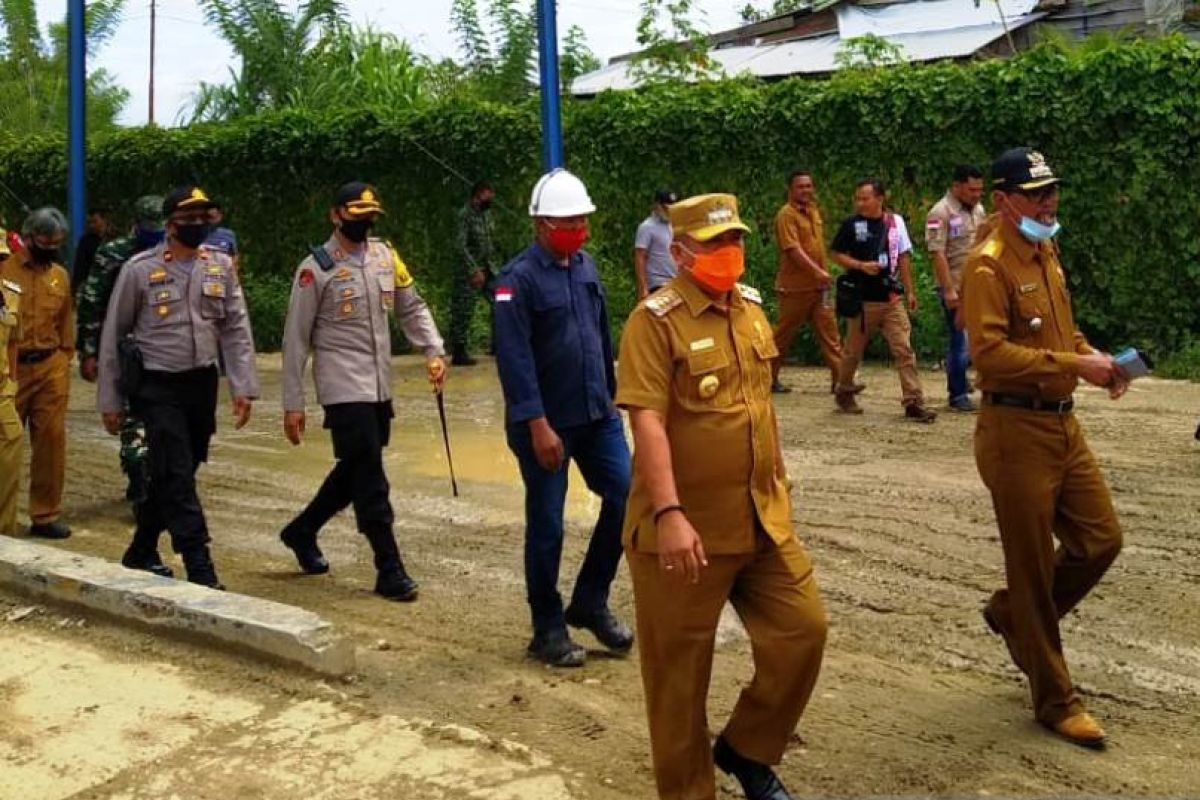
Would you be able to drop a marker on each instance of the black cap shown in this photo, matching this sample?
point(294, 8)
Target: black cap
point(186, 198)
point(358, 199)
point(666, 197)
point(1022, 169)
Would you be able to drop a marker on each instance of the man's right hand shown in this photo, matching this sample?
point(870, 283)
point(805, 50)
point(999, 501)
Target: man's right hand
point(950, 298)
point(293, 426)
point(547, 446)
point(113, 421)
point(1097, 369)
point(680, 551)
point(89, 369)
point(477, 279)
point(869, 267)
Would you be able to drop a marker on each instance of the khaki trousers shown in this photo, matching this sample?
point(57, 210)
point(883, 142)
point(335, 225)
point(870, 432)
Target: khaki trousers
point(11, 439)
point(1045, 484)
point(892, 320)
point(775, 594)
point(797, 309)
point(42, 391)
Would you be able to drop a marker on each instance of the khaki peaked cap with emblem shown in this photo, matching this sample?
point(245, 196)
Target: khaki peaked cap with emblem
point(358, 199)
point(706, 216)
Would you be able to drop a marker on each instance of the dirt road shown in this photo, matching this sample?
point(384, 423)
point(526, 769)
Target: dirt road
point(915, 697)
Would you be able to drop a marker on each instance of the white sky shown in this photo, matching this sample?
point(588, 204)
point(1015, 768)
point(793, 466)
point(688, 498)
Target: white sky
point(188, 52)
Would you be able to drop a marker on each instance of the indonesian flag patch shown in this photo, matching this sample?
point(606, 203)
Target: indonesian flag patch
point(306, 278)
point(504, 294)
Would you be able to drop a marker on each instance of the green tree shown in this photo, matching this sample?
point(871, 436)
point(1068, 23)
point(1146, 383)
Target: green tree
point(577, 58)
point(868, 52)
point(752, 13)
point(33, 70)
point(674, 48)
point(500, 64)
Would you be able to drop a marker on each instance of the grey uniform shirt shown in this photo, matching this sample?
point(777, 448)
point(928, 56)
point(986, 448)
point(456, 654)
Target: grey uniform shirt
point(340, 316)
point(654, 236)
point(181, 314)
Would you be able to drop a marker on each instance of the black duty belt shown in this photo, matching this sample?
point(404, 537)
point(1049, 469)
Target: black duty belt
point(1029, 403)
point(34, 356)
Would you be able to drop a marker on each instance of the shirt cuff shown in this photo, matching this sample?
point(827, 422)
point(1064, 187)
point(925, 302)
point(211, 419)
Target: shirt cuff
point(1070, 362)
point(627, 399)
point(525, 411)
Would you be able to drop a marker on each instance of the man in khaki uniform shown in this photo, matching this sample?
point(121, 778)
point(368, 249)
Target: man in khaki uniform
point(949, 235)
point(803, 282)
point(709, 518)
point(1029, 447)
point(181, 307)
point(44, 352)
point(10, 421)
point(338, 312)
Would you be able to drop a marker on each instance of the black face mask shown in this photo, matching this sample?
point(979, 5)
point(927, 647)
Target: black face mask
point(356, 230)
point(42, 255)
point(192, 235)
point(484, 205)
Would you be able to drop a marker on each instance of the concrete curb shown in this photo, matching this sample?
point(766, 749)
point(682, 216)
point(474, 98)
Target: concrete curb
point(259, 627)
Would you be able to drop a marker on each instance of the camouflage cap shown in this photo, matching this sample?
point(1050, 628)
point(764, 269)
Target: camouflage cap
point(706, 216)
point(147, 212)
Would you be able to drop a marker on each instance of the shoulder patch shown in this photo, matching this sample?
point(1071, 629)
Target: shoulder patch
point(12, 287)
point(663, 301)
point(750, 293)
point(993, 247)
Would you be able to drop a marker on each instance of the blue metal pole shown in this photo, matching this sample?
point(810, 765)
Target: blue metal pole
point(77, 124)
point(552, 139)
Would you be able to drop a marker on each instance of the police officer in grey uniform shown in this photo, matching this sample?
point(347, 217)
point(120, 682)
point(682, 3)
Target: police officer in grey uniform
point(341, 297)
point(181, 306)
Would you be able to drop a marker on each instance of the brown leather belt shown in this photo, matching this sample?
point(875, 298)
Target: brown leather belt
point(1028, 403)
point(27, 357)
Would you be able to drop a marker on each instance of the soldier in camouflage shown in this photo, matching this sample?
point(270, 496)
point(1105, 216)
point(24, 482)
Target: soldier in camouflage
point(147, 232)
point(475, 270)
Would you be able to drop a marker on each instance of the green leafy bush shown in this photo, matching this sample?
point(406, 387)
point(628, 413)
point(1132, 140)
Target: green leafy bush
point(1120, 123)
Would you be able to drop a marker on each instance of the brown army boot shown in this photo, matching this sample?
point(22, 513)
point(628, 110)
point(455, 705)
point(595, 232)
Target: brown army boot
point(919, 413)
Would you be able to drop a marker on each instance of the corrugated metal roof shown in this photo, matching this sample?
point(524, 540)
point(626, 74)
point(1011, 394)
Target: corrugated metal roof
point(815, 56)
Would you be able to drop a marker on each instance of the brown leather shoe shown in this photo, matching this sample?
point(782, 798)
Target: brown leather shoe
point(847, 404)
point(993, 623)
point(1081, 729)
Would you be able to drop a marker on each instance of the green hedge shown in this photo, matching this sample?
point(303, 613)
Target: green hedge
point(1122, 124)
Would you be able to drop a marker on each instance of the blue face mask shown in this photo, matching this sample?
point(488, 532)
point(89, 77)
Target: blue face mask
point(145, 239)
point(1035, 231)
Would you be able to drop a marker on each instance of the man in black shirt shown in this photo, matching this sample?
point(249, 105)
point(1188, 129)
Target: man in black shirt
point(874, 246)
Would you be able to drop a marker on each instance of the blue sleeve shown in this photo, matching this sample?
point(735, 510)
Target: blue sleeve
point(606, 346)
point(514, 350)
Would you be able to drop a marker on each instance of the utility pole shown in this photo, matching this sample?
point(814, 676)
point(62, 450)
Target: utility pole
point(552, 140)
point(77, 123)
point(153, 33)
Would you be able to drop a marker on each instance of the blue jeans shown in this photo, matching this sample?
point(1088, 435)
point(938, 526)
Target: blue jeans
point(957, 357)
point(600, 451)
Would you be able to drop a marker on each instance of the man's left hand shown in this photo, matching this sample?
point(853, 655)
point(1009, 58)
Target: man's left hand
point(437, 373)
point(477, 279)
point(241, 412)
point(913, 303)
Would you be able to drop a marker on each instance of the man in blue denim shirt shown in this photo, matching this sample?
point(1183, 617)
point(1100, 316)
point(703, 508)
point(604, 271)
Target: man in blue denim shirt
point(555, 358)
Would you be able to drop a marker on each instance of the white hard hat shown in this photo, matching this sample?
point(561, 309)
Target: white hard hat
point(560, 194)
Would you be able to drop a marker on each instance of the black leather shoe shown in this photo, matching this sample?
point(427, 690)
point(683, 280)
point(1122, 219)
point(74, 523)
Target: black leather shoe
point(200, 568)
point(394, 584)
point(758, 781)
point(608, 630)
point(50, 530)
point(147, 561)
point(779, 388)
point(312, 561)
point(556, 649)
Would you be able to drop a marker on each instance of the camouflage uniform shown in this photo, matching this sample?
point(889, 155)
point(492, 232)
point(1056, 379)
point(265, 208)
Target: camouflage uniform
point(476, 251)
point(92, 306)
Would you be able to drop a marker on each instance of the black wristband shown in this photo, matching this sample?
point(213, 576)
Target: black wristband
point(667, 509)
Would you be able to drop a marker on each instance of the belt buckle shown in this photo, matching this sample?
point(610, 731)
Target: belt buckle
point(1061, 405)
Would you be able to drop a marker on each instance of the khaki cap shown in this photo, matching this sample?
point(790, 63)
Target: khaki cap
point(706, 216)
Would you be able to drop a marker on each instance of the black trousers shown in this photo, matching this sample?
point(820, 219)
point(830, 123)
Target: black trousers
point(360, 431)
point(179, 410)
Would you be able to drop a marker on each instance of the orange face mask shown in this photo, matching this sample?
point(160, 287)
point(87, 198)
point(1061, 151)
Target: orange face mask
point(719, 269)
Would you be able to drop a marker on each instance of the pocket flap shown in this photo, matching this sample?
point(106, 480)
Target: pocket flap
point(165, 294)
point(707, 361)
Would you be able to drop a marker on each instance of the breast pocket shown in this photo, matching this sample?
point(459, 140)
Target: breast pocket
point(212, 299)
point(707, 378)
point(765, 353)
point(387, 288)
point(51, 301)
point(1033, 309)
point(164, 305)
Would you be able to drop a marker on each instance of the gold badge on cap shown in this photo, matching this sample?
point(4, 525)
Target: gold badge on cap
point(368, 196)
point(709, 385)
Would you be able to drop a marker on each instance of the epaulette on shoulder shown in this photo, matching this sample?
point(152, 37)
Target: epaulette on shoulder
point(750, 293)
point(322, 257)
point(663, 301)
point(992, 247)
point(145, 255)
point(15, 288)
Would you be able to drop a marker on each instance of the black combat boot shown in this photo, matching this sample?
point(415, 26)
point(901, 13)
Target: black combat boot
point(392, 581)
point(461, 357)
point(143, 554)
point(200, 568)
point(304, 544)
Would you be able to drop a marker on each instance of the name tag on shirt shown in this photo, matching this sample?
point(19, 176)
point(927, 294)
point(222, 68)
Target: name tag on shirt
point(703, 344)
point(956, 226)
point(213, 289)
